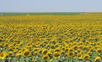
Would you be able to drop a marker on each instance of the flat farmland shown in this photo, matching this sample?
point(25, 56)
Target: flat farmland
point(47, 38)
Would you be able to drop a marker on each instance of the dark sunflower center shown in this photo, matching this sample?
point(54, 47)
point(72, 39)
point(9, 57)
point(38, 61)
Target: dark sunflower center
point(26, 53)
point(1, 55)
point(79, 55)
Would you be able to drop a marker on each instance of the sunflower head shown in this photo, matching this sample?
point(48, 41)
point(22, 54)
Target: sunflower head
point(99, 50)
point(56, 54)
point(49, 53)
point(62, 52)
point(66, 54)
point(46, 57)
point(79, 56)
point(71, 50)
point(75, 47)
point(26, 53)
point(86, 57)
point(10, 54)
point(97, 58)
point(89, 52)
point(18, 55)
point(71, 54)
point(57, 50)
point(36, 53)
point(52, 46)
point(45, 51)
point(3, 55)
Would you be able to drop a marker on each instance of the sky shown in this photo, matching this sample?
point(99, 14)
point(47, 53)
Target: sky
point(50, 5)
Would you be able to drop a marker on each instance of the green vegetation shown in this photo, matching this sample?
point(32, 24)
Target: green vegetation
point(44, 13)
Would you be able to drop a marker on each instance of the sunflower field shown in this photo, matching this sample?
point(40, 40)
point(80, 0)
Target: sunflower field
point(45, 38)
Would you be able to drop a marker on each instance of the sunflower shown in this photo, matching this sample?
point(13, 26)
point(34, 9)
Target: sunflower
point(45, 51)
point(78, 50)
point(79, 56)
point(71, 50)
point(26, 53)
point(32, 59)
point(35, 53)
point(56, 44)
point(3, 55)
point(75, 47)
point(52, 46)
point(89, 52)
point(56, 54)
point(71, 54)
point(57, 50)
point(15, 51)
point(97, 59)
point(46, 57)
point(50, 60)
point(63, 48)
point(91, 49)
point(80, 46)
point(86, 57)
point(36, 49)
point(10, 49)
point(49, 53)
point(47, 45)
point(85, 48)
point(66, 49)
point(18, 55)
point(62, 52)
point(99, 50)
point(10, 54)
point(40, 51)
point(66, 54)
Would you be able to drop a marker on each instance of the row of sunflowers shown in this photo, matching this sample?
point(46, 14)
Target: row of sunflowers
point(51, 38)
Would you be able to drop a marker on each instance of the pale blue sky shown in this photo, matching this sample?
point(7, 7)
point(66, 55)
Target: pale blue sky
point(50, 5)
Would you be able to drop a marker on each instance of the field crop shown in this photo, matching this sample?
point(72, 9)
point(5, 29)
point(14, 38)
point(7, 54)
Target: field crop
point(42, 13)
point(51, 38)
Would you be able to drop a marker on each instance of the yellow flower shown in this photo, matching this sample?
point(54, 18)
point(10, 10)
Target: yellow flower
point(75, 47)
point(15, 51)
point(52, 46)
point(56, 44)
point(99, 50)
point(36, 49)
point(62, 52)
point(78, 50)
point(26, 53)
point(71, 54)
point(57, 50)
point(66, 49)
point(10, 54)
point(50, 59)
point(46, 57)
point(79, 56)
point(47, 45)
point(97, 58)
point(71, 50)
point(35, 53)
point(40, 51)
point(3, 55)
point(56, 54)
point(74, 57)
point(89, 52)
point(49, 53)
point(18, 55)
point(86, 57)
point(45, 51)
point(66, 54)
point(63, 48)
point(32, 59)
